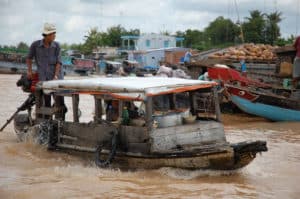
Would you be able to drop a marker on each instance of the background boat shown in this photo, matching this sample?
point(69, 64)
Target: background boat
point(268, 105)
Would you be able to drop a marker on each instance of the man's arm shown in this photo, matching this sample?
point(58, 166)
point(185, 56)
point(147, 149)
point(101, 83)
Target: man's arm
point(57, 70)
point(29, 68)
point(29, 58)
point(58, 63)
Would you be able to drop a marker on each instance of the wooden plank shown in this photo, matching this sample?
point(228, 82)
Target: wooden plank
point(139, 147)
point(87, 134)
point(149, 112)
point(59, 107)
point(172, 101)
point(217, 104)
point(285, 49)
point(98, 109)
point(45, 111)
point(75, 103)
point(121, 105)
point(64, 94)
point(193, 102)
point(203, 125)
point(104, 97)
point(222, 160)
point(167, 139)
point(39, 102)
point(133, 134)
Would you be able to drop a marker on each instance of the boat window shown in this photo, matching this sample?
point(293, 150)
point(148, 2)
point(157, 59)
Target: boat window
point(133, 113)
point(85, 108)
point(147, 43)
point(182, 100)
point(183, 108)
point(171, 110)
point(205, 105)
point(171, 102)
point(69, 114)
point(166, 43)
point(161, 103)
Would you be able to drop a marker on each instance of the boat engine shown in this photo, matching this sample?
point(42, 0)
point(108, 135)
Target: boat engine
point(28, 85)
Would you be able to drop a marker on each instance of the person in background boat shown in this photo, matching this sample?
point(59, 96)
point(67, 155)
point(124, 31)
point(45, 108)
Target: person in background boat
point(132, 110)
point(112, 110)
point(243, 68)
point(47, 56)
point(187, 57)
point(204, 77)
point(296, 66)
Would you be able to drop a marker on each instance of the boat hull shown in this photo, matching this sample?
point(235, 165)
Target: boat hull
point(217, 161)
point(235, 156)
point(270, 112)
point(220, 157)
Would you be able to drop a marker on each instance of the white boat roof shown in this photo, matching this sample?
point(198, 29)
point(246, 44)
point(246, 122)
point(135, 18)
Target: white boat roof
point(131, 61)
point(113, 62)
point(131, 87)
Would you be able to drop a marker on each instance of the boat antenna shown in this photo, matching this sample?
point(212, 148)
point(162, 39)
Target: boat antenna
point(238, 22)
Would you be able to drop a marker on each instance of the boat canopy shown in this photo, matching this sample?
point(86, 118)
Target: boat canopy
point(137, 88)
point(131, 62)
point(114, 63)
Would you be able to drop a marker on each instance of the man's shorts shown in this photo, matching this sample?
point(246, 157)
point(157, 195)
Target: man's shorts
point(296, 67)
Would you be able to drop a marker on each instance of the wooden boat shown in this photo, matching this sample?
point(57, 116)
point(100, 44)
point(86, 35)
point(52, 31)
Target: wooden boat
point(264, 104)
point(147, 123)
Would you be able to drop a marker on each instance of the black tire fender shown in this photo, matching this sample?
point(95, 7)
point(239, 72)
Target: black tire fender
point(106, 162)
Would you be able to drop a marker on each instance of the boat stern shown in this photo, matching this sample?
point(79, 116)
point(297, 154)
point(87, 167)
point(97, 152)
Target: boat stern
point(245, 152)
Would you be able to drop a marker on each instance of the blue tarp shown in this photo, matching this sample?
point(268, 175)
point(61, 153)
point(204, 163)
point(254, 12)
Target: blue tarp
point(66, 60)
point(151, 67)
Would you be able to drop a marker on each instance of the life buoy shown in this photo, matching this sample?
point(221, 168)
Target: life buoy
point(105, 162)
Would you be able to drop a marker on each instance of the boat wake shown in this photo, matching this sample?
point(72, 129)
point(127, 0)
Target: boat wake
point(184, 174)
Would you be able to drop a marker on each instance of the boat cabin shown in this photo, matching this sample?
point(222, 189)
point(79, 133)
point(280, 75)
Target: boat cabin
point(144, 111)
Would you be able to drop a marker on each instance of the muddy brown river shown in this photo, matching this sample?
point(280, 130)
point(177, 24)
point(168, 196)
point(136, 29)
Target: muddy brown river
point(28, 170)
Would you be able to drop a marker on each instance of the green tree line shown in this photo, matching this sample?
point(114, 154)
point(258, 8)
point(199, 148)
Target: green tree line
point(259, 27)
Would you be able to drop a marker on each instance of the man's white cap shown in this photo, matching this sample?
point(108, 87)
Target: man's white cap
point(49, 28)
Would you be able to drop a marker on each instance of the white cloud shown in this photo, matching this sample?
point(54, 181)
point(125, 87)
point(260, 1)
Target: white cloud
point(23, 20)
point(74, 23)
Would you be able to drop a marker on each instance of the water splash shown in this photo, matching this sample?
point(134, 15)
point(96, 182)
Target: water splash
point(184, 174)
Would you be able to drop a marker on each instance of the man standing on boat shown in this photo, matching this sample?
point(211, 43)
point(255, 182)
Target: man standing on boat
point(296, 67)
point(47, 56)
point(243, 68)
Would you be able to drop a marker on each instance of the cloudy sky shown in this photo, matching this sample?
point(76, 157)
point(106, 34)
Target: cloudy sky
point(22, 20)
